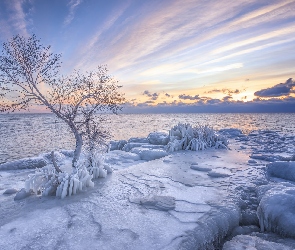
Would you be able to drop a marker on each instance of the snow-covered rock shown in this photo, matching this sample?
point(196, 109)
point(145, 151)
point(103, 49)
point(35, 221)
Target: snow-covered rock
point(158, 138)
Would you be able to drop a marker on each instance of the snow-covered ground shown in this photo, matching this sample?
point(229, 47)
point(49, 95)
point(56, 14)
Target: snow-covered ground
point(243, 197)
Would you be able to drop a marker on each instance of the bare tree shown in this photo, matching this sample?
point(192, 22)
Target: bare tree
point(29, 76)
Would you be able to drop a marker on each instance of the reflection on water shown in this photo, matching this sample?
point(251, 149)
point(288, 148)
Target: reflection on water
point(25, 135)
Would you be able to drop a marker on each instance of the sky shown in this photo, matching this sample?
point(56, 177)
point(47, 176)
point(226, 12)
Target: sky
point(172, 55)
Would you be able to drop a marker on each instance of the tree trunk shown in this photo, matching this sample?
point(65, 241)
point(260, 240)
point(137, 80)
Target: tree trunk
point(78, 149)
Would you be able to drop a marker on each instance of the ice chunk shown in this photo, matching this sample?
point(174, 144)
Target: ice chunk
point(244, 230)
point(230, 132)
point(10, 191)
point(137, 139)
point(219, 172)
point(130, 145)
point(252, 243)
point(276, 209)
point(22, 194)
point(117, 145)
point(163, 203)
point(211, 228)
point(158, 138)
point(199, 168)
point(149, 154)
point(281, 169)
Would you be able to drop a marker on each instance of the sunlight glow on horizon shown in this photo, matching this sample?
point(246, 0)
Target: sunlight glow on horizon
point(167, 49)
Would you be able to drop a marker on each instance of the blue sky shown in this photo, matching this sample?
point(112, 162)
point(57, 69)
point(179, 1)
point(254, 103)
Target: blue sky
point(169, 55)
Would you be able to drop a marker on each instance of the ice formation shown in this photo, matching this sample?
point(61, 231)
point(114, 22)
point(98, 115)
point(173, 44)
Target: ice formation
point(34, 162)
point(158, 138)
point(186, 137)
point(48, 181)
point(281, 169)
point(276, 209)
point(241, 242)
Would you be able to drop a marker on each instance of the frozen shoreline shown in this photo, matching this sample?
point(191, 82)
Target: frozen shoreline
point(185, 200)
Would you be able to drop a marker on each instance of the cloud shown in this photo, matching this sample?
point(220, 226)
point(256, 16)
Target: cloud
point(13, 19)
point(188, 97)
point(273, 105)
point(227, 98)
point(153, 96)
point(281, 89)
point(72, 10)
point(224, 91)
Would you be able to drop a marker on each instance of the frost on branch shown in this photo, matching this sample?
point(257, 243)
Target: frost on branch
point(186, 137)
point(48, 181)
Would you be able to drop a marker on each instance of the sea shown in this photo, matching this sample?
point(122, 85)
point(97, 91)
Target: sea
point(28, 135)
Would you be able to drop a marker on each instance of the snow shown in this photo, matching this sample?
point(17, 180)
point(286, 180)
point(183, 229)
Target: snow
point(153, 199)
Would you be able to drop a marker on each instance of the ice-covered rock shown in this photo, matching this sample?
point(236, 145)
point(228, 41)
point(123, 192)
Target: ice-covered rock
point(117, 145)
point(231, 132)
point(241, 242)
point(158, 138)
point(270, 157)
point(219, 172)
point(276, 211)
point(138, 139)
point(30, 163)
point(10, 191)
point(215, 225)
point(149, 154)
point(163, 203)
point(195, 166)
point(244, 230)
point(281, 169)
point(22, 194)
point(130, 145)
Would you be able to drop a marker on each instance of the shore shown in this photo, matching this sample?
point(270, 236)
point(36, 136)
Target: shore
point(184, 200)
